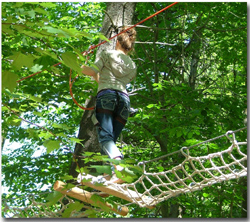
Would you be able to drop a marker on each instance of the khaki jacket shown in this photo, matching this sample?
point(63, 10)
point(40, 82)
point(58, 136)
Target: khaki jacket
point(115, 70)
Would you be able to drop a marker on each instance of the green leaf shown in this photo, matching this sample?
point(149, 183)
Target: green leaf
point(97, 202)
point(102, 169)
point(76, 206)
point(36, 68)
point(51, 145)
point(7, 29)
point(20, 60)
point(18, 4)
point(88, 153)
point(125, 176)
point(45, 134)
point(14, 121)
point(103, 37)
point(31, 13)
point(56, 31)
point(53, 198)
point(37, 113)
point(33, 133)
point(40, 10)
point(205, 195)
point(62, 135)
point(76, 140)
point(48, 4)
point(190, 135)
point(9, 80)
point(150, 106)
point(67, 177)
point(35, 98)
point(90, 213)
point(70, 60)
point(179, 133)
point(48, 53)
point(61, 126)
point(45, 61)
point(67, 18)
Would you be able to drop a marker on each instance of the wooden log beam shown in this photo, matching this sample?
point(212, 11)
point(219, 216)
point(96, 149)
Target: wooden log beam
point(85, 196)
point(128, 194)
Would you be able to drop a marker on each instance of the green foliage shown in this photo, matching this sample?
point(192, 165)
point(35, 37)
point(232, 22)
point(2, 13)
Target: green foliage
point(192, 88)
point(77, 206)
point(53, 198)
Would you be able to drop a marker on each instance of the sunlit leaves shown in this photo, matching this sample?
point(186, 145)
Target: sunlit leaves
point(51, 145)
point(36, 68)
point(45, 135)
point(9, 80)
point(53, 198)
point(76, 140)
point(61, 126)
point(60, 33)
point(102, 169)
point(70, 60)
point(37, 35)
point(47, 4)
point(76, 206)
point(20, 60)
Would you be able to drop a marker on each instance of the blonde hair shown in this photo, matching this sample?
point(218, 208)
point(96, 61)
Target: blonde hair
point(127, 38)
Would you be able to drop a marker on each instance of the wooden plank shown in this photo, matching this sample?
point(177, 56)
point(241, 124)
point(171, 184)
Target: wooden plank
point(123, 194)
point(85, 196)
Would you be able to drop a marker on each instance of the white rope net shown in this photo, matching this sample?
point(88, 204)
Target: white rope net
point(192, 174)
point(35, 208)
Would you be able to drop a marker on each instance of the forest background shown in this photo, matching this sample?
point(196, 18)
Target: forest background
point(191, 86)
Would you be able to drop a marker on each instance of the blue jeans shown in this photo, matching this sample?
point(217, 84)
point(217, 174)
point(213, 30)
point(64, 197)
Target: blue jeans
point(112, 112)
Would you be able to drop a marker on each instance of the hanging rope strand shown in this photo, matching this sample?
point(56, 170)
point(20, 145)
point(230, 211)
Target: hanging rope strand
point(72, 96)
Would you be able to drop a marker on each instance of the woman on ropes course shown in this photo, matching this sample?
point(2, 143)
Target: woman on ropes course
point(115, 69)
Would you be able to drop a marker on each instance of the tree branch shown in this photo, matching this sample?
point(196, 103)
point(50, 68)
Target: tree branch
point(113, 25)
point(159, 43)
point(155, 28)
point(132, 93)
point(226, 30)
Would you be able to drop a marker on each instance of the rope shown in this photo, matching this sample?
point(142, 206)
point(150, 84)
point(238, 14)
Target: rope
point(38, 209)
point(72, 96)
point(93, 47)
point(151, 16)
point(187, 148)
point(193, 174)
point(151, 188)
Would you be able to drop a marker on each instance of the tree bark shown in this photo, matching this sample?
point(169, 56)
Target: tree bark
point(195, 60)
point(117, 15)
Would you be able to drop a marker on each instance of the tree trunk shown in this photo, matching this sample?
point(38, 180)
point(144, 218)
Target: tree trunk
point(117, 15)
point(195, 58)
